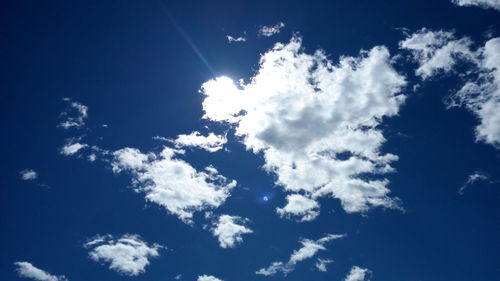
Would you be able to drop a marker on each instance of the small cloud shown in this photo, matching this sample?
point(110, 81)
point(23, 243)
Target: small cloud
point(228, 229)
point(74, 116)
point(269, 31)
point(28, 175)
point(232, 39)
point(473, 178)
point(178, 277)
point(321, 264)
point(210, 143)
point(485, 4)
point(208, 278)
point(127, 255)
point(72, 148)
point(358, 274)
point(27, 270)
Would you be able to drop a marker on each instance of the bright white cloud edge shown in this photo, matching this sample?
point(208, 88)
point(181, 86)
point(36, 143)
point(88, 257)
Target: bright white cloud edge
point(27, 270)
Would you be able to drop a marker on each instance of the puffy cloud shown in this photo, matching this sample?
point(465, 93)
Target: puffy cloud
point(208, 278)
point(308, 250)
point(482, 96)
point(322, 263)
point(28, 174)
point(210, 143)
point(358, 274)
point(127, 255)
point(440, 51)
point(172, 182)
point(493, 4)
point(75, 116)
point(316, 123)
point(72, 148)
point(228, 229)
point(301, 206)
point(437, 51)
point(473, 178)
point(271, 30)
point(232, 39)
point(27, 270)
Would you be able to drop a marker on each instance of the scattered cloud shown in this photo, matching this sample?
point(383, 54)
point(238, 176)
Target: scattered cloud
point(27, 270)
point(228, 229)
point(300, 206)
point(308, 250)
point(486, 4)
point(28, 175)
point(358, 274)
point(437, 51)
point(74, 116)
point(322, 263)
point(473, 178)
point(172, 182)
point(178, 277)
point(127, 255)
point(271, 30)
point(208, 278)
point(316, 123)
point(72, 148)
point(232, 39)
point(210, 143)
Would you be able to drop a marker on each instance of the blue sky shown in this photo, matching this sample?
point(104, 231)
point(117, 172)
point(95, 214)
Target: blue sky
point(255, 140)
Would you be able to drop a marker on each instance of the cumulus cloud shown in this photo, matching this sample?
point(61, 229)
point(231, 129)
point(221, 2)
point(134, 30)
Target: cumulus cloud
point(75, 116)
point(172, 182)
point(127, 255)
point(301, 206)
point(28, 175)
point(27, 270)
point(210, 143)
point(316, 123)
point(358, 274)
point(322, 263)
point(72, 148)
point(232, 39)
point(482, 95)
point(271, 30)
point(208, 278)
point(486, 4)
point(228, 230)
point(308, 250)
point(473, 178)
point(437, 51)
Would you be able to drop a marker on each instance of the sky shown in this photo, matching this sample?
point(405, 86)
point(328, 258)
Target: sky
point(250, 140)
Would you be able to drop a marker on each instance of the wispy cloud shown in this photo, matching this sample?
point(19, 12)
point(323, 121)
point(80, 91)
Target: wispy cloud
point(486, 4)
point(27, 270)
point(28, 174)
point(74, 116)
point(232, 39)
point(473, 178)
point(268, 31)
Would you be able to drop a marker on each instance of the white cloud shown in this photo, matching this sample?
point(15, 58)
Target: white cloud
point(301, 206)
point(27, 270)
point(72, 148)
point(482, 96)
point(228, 229)
point(358, 274)
point(173, 183)
point(316, 123)
point(75, 116)
point(232, 39)
point(127, 255)
point(271, 30)
point(493, 4)
point(308, 250)
point(473, 178)
point(208, 278)
point(210, 143)
point(322, 263)
point(28, 174)
point(437, 51)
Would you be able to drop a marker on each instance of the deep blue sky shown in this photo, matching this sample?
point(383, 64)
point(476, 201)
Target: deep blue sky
point(127, 62)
